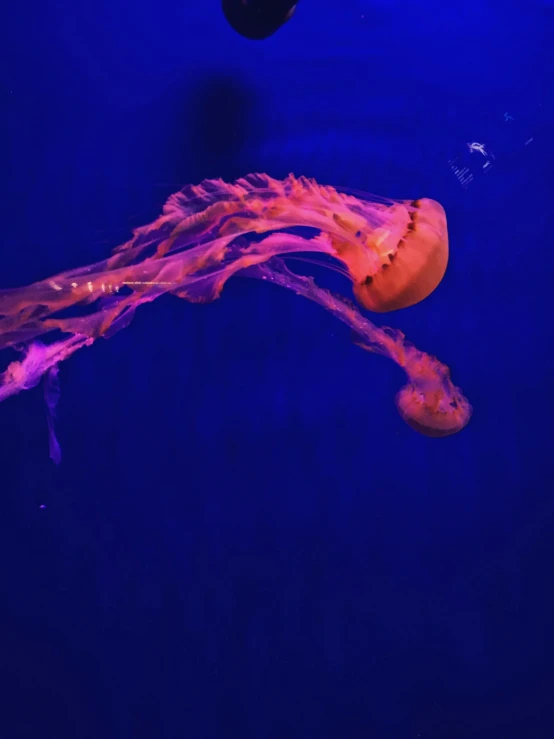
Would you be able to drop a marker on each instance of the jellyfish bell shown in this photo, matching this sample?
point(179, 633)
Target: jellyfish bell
point(258, 19)
point(434, 413)
point(413, 256)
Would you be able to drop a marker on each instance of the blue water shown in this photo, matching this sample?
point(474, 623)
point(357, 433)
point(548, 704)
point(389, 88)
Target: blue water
point(244, 540)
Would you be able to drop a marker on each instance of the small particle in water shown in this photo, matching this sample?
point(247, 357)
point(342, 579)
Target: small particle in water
point(42, 506)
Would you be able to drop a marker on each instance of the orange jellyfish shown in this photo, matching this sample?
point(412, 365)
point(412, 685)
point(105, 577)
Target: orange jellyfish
point(395, 253)
point(429, 402)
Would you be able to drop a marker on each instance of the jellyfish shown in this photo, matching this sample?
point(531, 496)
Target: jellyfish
point(429, 402)
point(258, 19)
point(394, 253)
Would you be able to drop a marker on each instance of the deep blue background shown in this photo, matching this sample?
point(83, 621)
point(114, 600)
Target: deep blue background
point(244, 540)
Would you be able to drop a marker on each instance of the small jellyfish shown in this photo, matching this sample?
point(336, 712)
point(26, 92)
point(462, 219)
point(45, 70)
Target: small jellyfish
point(394, 252)
point(429, 403)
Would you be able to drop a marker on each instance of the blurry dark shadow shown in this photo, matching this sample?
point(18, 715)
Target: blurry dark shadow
point(222, 121)
point(210, 129)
